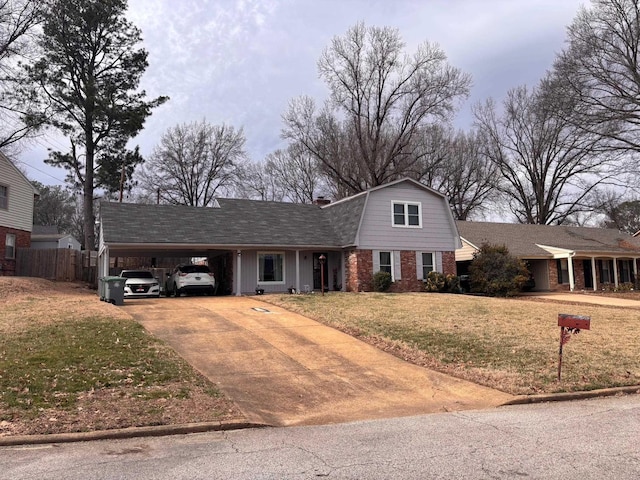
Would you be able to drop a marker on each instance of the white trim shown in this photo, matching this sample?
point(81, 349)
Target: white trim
point(284, 268)
point(405, 205)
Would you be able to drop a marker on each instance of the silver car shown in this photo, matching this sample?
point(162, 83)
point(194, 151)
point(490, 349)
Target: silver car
point(190, 279)
point(140, 283)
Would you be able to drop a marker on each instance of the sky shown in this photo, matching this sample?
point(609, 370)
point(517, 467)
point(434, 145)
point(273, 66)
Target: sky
point(240, 62)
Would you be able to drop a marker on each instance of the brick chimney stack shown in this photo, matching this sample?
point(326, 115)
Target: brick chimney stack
point(321, 201)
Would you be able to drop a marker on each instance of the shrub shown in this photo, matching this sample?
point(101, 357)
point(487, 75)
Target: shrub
point(382, 281)
point(495, 272)
point(435, 282)
point(453, 284)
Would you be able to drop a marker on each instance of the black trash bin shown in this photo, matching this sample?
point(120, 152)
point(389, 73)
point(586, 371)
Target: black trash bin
point(114, 290)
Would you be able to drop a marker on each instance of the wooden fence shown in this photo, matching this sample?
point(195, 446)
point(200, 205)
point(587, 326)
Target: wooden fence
point(57, 264)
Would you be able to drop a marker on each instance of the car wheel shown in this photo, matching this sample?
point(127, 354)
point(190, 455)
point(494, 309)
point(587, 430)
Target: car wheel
point(176, 291)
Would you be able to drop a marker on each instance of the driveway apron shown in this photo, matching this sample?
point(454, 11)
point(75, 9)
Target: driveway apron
point(282, 368)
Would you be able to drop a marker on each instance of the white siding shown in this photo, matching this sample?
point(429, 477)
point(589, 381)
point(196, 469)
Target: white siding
point(19, 214)
point(377, 232)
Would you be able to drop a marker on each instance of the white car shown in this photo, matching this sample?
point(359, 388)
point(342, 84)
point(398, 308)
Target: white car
point(140, 283)
point(190, 279)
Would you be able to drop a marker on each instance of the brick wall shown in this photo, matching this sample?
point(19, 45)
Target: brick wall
point(409, 281)
point(359, 270)
point(23, 240)
point(449, 263)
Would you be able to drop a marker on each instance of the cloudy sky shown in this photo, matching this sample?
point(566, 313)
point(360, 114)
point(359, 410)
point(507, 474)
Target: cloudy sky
point(241, 61)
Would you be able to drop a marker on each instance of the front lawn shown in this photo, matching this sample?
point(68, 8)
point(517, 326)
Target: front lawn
point(508, 344)
point(69, 362)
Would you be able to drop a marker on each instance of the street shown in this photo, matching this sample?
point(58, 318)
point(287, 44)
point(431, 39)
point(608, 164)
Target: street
point(586, 439)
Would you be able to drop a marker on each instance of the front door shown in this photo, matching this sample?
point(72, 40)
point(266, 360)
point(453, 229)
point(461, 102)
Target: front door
point(320, 271)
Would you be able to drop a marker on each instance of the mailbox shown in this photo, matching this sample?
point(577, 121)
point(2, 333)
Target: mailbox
point(574, 321)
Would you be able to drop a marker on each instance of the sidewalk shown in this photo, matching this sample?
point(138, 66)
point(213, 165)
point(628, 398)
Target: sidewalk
point(579, 297)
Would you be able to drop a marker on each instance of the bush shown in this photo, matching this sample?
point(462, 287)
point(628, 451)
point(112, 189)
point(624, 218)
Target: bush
point(453, 284)
point(495, 272)
point(382, 281)
point(435, 282)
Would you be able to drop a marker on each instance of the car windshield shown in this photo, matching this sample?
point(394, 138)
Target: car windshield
point(136, 274)
point(194, 269)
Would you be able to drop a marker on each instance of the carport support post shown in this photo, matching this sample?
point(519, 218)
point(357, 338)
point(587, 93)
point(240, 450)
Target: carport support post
point(298, 271)
point(239, 274)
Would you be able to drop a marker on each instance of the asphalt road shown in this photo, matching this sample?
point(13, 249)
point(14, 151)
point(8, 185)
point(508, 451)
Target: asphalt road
point(587, 439)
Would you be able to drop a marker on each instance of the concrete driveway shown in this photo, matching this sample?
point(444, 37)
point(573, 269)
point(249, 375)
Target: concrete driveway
point(284, 369)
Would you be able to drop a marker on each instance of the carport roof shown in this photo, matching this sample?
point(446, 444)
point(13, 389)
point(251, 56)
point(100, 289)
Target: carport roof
point(526, 241)
point(236, 222)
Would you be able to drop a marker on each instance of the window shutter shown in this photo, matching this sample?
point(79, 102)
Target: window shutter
point(376, 261)
point(438, 262)
point(397, 265)
point(419, 266)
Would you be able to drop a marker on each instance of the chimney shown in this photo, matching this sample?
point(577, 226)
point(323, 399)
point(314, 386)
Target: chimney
point(321, 201)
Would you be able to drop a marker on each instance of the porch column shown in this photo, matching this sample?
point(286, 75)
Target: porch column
point(615, 272)
point(594, 274)
point(635, 271)
point(297, 270)
point(239, 273)
point(572, 283)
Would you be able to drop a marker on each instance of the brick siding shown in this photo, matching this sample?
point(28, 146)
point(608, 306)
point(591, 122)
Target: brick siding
point(23, 240)
point(359, 271)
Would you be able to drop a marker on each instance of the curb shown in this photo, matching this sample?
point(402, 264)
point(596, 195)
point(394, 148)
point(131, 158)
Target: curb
point(131, 432)
point(559, 397)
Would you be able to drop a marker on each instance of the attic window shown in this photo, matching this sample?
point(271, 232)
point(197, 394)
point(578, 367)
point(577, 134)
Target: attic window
point(4, 197)
point(407, 214)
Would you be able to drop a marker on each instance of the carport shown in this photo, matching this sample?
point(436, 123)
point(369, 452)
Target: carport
point(249, 244)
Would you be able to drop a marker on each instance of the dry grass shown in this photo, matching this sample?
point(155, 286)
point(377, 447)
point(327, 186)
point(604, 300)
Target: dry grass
point(69, 362)
point(508, 344)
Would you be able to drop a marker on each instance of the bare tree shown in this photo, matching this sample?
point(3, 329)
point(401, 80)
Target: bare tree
point(600, 69)
point(194, 163)
point(286, 175)
point(380, 98)
point(458, 167)
point(548, 165)
point(256, 182)
point(18, 20)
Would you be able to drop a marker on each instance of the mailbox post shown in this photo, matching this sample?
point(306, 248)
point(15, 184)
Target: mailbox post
point(570, 324)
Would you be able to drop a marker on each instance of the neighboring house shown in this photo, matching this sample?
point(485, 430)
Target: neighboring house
point(16, 214)
point(47, 236)
point(402, 227)
point(559, 257)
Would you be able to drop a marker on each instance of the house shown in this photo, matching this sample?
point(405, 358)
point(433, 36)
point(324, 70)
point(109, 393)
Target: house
point(16, 213)
point(403, 227)
point(559, 257)
point(47, 236)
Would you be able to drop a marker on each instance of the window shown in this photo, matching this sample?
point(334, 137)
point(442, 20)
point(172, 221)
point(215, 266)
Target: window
point(625, 271)
point(385, 263)
point(427, 264)
point(4, 197)
point(270, 267)
point(10, 246)
point(406, 214)
point(606, 274)
point(563, 270)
